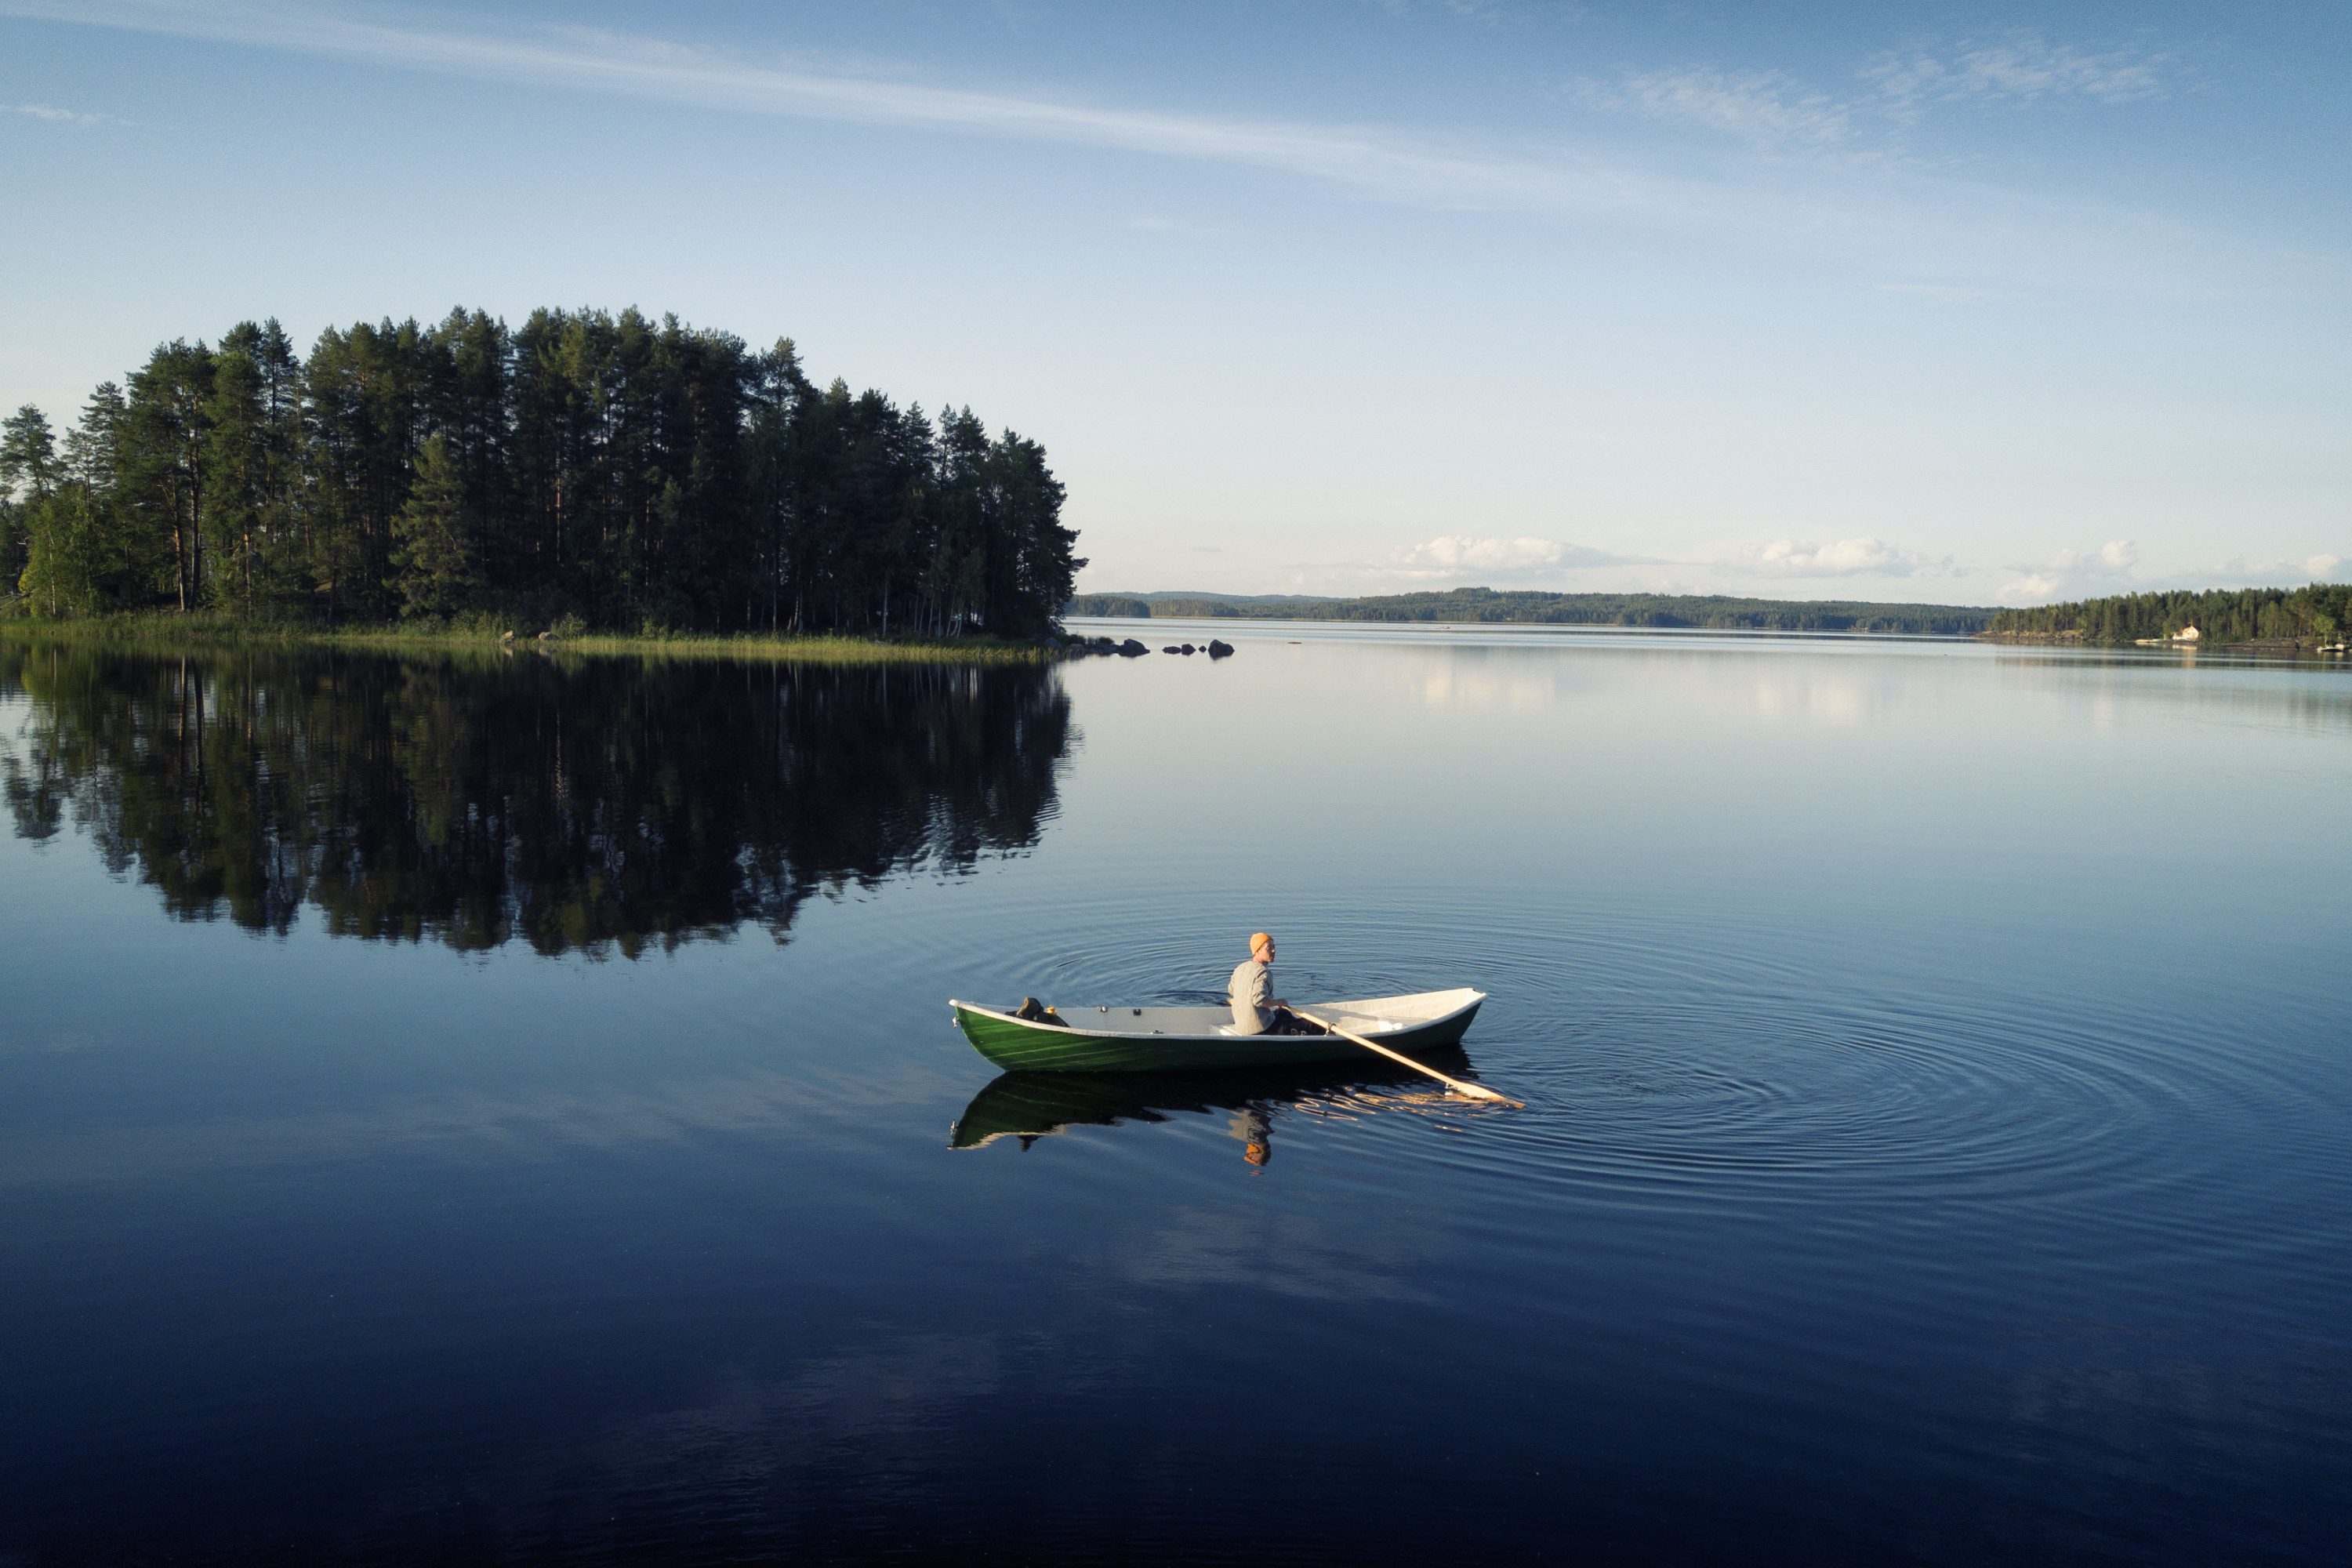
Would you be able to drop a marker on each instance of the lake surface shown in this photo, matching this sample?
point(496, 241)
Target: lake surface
point(502, 1109)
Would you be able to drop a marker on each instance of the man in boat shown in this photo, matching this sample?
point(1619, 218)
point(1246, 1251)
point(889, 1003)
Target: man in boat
point(1256, 1010)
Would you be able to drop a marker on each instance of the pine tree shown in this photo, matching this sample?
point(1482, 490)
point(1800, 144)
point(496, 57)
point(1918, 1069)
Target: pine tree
point(29, 453)
point(165, 450)
point(94, 447)
point(252, 476)
point(29, 464)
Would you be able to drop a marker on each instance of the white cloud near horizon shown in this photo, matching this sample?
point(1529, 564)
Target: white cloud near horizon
point(2316, 568)
point(1866, 557)
point(2115, 568)
point(1463, 560)
point(2076, 574)
point(1794, 568)
point(1456, 555)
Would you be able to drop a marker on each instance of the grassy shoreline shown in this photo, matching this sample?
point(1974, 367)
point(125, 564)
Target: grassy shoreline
point(165, 629)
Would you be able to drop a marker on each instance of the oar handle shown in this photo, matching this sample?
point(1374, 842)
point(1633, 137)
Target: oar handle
point(1468, 1090)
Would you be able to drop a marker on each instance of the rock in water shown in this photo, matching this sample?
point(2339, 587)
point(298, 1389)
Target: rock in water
point(1131, 649)
point(1220, 649)
point(1188, 648)
point(1172, 649)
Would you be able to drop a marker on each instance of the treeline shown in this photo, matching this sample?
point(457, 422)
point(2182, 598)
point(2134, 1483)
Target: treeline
point(615, 471)
point(1692, 611)
point(2321, 612)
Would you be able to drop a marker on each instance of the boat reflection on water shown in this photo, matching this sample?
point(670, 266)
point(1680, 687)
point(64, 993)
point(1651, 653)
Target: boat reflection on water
point(1028, 1106)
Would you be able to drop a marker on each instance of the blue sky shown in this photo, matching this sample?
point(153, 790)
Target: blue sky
point(1962, 303)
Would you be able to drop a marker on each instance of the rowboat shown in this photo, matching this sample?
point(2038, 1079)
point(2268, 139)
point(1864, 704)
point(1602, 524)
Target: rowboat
point(1186, 1040)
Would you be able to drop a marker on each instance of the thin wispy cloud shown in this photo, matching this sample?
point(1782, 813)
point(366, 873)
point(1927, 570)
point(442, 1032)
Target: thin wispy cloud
point(1378, 162)
point(1771, 110)
point(2024, 67)
point(1909, 225)
point(1468, 10)
point(1764, 107)
point(1948, 293)
point(53, 115)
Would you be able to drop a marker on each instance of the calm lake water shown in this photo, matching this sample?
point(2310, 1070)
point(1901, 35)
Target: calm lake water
point(503, 1108)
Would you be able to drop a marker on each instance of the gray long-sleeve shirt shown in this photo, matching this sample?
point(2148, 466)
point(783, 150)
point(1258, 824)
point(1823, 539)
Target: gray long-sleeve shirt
point(1251, 990)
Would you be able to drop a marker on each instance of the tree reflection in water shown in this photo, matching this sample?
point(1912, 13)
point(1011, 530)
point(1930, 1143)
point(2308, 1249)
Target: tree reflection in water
point(595, 805)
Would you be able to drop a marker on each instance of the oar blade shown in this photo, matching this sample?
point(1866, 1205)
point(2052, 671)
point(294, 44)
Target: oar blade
point(1467, 1090)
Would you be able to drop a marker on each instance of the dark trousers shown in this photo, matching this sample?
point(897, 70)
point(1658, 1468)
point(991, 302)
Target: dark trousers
point(1286, 1022)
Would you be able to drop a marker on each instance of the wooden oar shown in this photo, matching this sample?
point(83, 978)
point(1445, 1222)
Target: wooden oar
point(1459, 1086)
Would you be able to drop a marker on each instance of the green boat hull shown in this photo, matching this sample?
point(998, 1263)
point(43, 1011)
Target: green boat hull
point(1019, 1046)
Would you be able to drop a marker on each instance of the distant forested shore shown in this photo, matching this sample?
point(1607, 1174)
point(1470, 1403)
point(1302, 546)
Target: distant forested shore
point(2318, 614)
point(584, 469)
point(1691, 611)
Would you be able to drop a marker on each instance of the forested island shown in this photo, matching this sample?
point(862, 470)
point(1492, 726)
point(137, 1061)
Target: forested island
point(583, 471)
point(1692, 611)
point(2318, 614)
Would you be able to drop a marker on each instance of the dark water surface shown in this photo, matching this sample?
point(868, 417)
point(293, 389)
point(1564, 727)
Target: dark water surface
point(502, 1109)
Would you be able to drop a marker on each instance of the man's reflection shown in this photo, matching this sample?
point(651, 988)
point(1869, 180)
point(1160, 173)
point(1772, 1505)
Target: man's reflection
point(1256, 1134)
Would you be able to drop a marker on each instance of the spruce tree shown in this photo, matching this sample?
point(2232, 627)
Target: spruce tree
point(436, 569)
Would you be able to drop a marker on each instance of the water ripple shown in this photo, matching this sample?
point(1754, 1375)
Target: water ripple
point(1658, 1061)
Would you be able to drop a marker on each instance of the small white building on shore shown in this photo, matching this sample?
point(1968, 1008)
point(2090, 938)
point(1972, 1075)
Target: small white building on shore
point(2186, 634)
